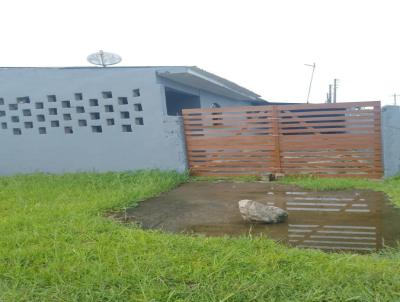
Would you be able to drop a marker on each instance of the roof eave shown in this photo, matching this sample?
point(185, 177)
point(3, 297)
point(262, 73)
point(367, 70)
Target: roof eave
point(197, 78)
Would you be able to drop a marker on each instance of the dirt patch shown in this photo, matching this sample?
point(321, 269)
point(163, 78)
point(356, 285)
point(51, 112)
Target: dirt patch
point(353, 220)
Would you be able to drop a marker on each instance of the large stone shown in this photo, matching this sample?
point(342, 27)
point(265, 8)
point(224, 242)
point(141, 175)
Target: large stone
point(257, 212)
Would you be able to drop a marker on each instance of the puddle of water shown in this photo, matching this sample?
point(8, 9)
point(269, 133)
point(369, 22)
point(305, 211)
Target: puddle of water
point(355, 220)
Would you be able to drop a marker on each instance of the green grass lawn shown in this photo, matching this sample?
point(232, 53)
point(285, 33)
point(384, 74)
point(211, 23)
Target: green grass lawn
point(56, 245)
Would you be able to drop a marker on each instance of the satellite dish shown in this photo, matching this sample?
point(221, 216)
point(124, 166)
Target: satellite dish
point(104, 59)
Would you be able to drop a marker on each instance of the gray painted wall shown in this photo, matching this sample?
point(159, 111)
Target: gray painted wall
point(391, 139)
point(157, 144)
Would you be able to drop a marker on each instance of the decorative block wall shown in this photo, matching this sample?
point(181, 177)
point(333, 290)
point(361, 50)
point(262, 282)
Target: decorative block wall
point(25, 115)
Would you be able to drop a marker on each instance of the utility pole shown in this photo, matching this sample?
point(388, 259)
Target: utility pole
point(335, 86)
point(329, 100)
point(329, 97)
point(394, 95)
point(312, 75)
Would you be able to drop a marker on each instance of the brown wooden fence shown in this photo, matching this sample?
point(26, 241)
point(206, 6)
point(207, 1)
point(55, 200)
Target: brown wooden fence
point(329, 140)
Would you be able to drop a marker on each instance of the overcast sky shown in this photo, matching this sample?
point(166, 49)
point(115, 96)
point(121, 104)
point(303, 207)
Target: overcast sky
point(261, 45)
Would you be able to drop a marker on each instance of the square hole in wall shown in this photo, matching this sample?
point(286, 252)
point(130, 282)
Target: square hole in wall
point(82, 123)
point(40, 118)
point(97, 129)
point(13, 106)
point(139, 121)
point(109, 108)
point(66, 104)
point(78, 96)
point(28, 125)
point(15, 119)
point(53, 111)
point(4, 125)
point(138, 107)
point(68, 130)
point(122, 100)
point(2, 113)
point(17, 131)
point(23, 100)
point(26, 112)
point(51, 98)
point(110, 122)
point(126, 128)
point(94, 102)
point(125, 114)
point(94, 115)
point(136, 92)
point(107, 94)
point(39, 105)
point(42, 130)
point(1, 101)
point(67, 117)
point(55, 124)
point(80, 109)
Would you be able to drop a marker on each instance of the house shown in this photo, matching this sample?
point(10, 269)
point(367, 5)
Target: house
point(104, 119)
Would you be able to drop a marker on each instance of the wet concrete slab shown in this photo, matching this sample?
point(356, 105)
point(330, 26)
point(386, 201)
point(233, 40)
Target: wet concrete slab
point(352, 220)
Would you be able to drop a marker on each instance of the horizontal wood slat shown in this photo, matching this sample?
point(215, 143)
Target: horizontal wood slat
point(237, 115)
point(328, 140)
point(327, 106)
point(226, 121)
point(227, 153)
point(249, 109)
point(225, 132)
point(229, 139)
point(324, 118)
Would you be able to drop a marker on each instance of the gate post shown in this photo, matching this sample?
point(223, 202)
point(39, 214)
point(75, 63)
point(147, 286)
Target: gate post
point(378, 145)
point(275, 134)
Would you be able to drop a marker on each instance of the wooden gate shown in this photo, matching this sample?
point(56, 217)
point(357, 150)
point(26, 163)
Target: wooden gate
point(328, 140)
